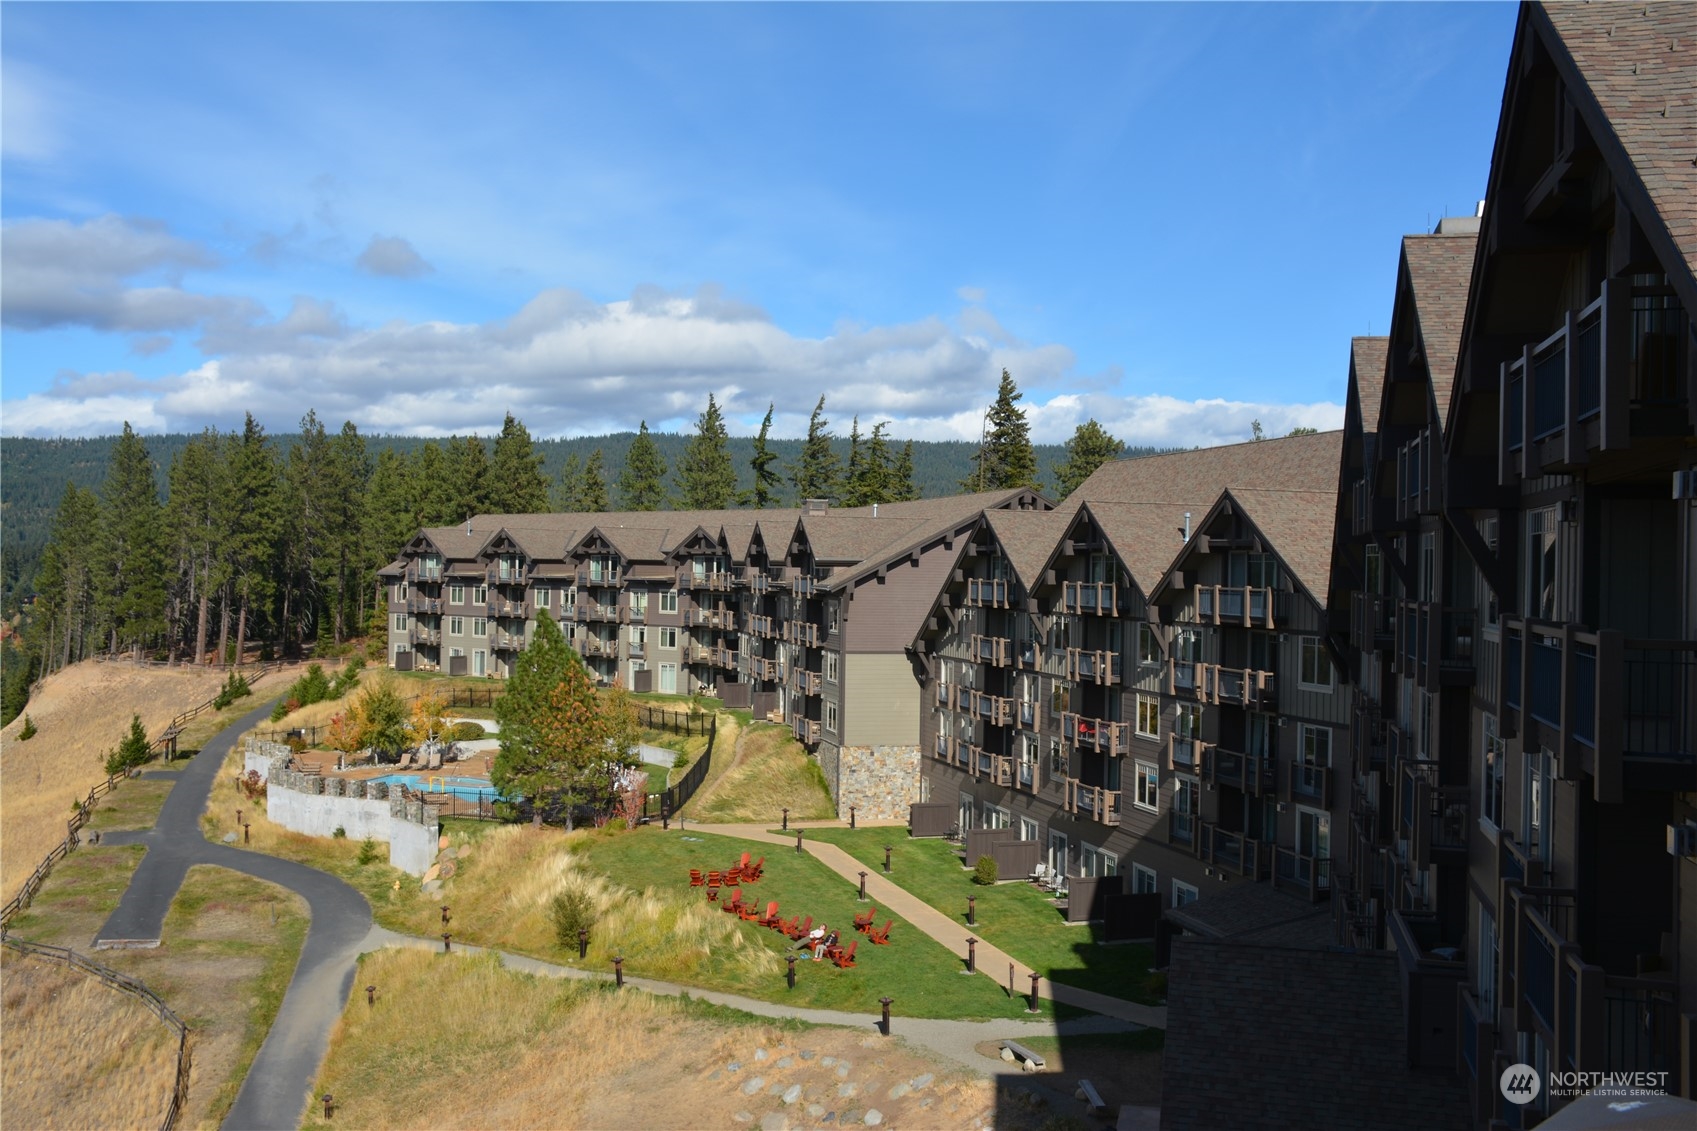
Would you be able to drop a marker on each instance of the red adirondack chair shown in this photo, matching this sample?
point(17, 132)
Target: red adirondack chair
point(880, 936)
point(743, 863)
point(696, 879)
point(844, 958)
point(800, 930)
point(750, 912)
point(784, 926)
point(864, 922)
point(714, 879)
point(734, 903)
point(733, 875)
point(758, 870)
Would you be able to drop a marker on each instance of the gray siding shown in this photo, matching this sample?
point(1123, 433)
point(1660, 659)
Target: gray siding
point(884, 614)
point(880, 701)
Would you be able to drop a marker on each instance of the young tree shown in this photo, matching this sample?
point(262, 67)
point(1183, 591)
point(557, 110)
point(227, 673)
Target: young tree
point(815, 473)
point(132, 751)
point(706, 479)
point(1006, 458)
point(528, 763)
point(516, 482)
point(642, 482)
point(1090, 447)
point(764, 492)
point(902, 488)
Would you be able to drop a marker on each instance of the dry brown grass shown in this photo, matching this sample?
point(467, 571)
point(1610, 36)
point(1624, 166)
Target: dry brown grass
point(80, 714)
point(66, 1029)
point(547, 1053)
point(769, 773)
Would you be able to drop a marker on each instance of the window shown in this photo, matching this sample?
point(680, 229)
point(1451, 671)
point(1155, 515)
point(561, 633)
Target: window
point(480, 595)
point(831, 618)
point(542, 597)
point(479, 626)
point(1057, 760)
point(1148, 787)
point(1316, 746)
point(1186, 806)
point(831, 662)
point(401, 591)
point(638, 636)
point(996, 817)
point(456, 626)
point(1316, 664)
point(668, 679)
point(1027, 829)
point(1488, 531)
point(1375, 569)
point(1485, 983)
point(456, 594)
point(1187, 721)
point(668, 637)
point(1541, 563)
point(1491, 775)
point(1428, 566)
point(1089, 860)
point(830, 716)
point(1187, 645)
point(456, 653)
point(400, 622)
point(669, 601)
point(1183, 893)
point(1148, 646)
point(571, 596)
point(1060, 698)
point(1148, 716)
point(479, 663)
point(1144, 881)
point(1259, 571)
point(1538, 804)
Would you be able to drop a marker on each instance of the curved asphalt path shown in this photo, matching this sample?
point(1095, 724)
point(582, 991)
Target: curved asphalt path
point(276, 1090)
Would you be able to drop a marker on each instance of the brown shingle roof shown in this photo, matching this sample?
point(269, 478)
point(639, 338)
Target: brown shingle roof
point(1367, 374)
point(1028, 538)
point(1298, 528)
point(1440, 271)
point(1637, 63)
point(1267, 1037)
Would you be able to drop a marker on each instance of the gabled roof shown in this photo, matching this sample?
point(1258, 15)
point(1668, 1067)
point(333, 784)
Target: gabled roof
point(1146, 536)
point(1028, 539)
point(1440, 270)
point(1367, 377)
point(1635, 63)
point(1298, 528)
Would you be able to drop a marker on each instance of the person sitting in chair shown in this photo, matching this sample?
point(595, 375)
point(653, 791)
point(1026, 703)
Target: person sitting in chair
point(810, 940)
point(826, 945)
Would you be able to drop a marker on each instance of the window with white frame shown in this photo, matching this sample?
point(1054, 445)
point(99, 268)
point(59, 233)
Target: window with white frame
point(1316, 671)
point(1187, 721)
point(1485, 975)
point(1144, 881)
point(1028, 829)
point(479, 626)
point(1057, 760)
point(401, 591)
point(668, 637)
point(544, 597)
point(456, 594)
point(1148, 646)
point(831, 667)
point(480, 594)
point(1147, 780)
point(1538, 804)
point(456, 626)
point(831, 617)
point(1149, 716)
point(400, 622)
point(1491, 766)
point(1187, 645)
point(995, 817)
point(1183, 893)
point(1187, 804)
point(830, 716)
point(669, 601)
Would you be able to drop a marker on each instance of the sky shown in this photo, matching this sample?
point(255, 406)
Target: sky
point(1169, 218)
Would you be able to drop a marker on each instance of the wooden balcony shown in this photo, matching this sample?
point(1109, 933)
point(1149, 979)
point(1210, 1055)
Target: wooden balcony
point(1184, 755)
point(1254, 774)
point(1308, 785)
point(725, 658)
point(1028, 657)
point(595, 646)
point(806, 682)
point(418, 570)
point(997, 769)
point(1211, 683)
point(593, 613)
point(801, 632)
point(771, 671)
point(1093, 667)
point(1372, 621)
point(505, 574)
point(763, 626)
point(698, 654)
point(428, 636)
point(1307, 876)
point(997, 710)
point(1434, 644)
point(997, 651)
point(1090, 598)
point(1088, 733)
point(806, 731)
point(598, 577)
point(1233, 852)
point(507, 641)
point(505, 607)
point(428, 606)
point(1099, 804)
point(987, 592)
point(1245, 605)
point(768, 581)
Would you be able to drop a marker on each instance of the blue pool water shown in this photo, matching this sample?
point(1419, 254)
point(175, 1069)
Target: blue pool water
point(466, 789)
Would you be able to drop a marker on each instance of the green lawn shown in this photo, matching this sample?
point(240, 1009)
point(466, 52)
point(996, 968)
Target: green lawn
point(79, 896)
point(1013, 916)
point(133, 805)
point(923, 978)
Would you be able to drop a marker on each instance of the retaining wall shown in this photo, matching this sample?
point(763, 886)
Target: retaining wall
point(879, 781)
point(318, 806)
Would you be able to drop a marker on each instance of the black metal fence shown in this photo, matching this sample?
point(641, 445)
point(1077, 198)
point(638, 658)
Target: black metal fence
point(668, 801)
point(678, 722)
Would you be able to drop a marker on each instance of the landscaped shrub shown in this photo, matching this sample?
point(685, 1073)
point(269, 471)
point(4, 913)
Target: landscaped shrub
point(347, 677)
point(339, 834)
point(28, 732)
point(132, 751)
point(465, 731)
point(984, 872)
point(571, 911)
point(312, 687)
point(235, 687)
point(367, 851)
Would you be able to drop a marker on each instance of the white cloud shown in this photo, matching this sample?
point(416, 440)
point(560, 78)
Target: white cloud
point(394, 257)
point(27, 128)
point(970, 294)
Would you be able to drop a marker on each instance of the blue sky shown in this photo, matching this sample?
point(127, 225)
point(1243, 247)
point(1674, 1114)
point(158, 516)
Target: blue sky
point(1171, 218)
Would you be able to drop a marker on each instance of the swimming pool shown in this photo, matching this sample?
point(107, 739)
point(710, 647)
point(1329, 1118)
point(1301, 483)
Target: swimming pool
point(466, 789)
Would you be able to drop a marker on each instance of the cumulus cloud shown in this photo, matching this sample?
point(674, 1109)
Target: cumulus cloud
point(394, 257)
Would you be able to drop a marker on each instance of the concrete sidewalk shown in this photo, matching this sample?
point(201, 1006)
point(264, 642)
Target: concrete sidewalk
point(992, 961)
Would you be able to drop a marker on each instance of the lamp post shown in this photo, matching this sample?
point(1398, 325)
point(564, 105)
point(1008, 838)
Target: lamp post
point(851, 816)
point(885, 1002)
point(888, 848)
point(971, 955)
point(786, 820)
point(863, 887)
point(619, 971)
point(789, 975)
point(972, 911)
point(1033, 1008)
point(798, 842)
point(583, 942)
point(371, 995)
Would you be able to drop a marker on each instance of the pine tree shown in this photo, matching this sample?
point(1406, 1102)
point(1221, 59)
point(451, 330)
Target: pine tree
point(530, 763)
point(871, 477)
point(1006, 458)
point(516, 482)
point(854, 478)
point(568, 486)
point(342, 572)
point(62, 629)
point(195, 522)
point(130, 571)
point(642, 482)
point(433, 487)
point(902, 489)
point(767, 482)
point(468, 468)
point(815, 473)
point(1090, 447)
point(391, 508)
point(255, 504)
point(592, 495)
point(706, 479)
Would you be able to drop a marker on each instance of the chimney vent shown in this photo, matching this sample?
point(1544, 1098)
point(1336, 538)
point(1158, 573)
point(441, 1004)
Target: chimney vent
point(1187, 526)
point(815, 506)
point(874, 510)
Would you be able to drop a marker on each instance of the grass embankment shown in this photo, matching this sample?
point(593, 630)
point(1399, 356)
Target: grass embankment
point(1015, 917)
point(770, 773)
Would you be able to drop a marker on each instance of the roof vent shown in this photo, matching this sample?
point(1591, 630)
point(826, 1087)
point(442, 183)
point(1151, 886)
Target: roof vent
point(815, 506)
point(1187, 526)
point(874, 510)
point(468, 526)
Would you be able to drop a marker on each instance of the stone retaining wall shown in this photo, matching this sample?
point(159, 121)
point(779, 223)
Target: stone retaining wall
point(318, 806)
point(879, 781)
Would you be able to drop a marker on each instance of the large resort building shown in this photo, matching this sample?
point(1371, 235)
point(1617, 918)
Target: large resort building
point(1397, 718)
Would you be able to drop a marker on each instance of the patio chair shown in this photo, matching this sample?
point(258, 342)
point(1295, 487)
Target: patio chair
point(758, 870)
point(770, 919)
point(734, 903)
point(712, 895)
point(743, 863)
point(800, 930)
point(750, 912)
point(696, 879)
point(714, 879)
point(864, 922)
point(733, 875)
point(784, 926)
point(844, 958)
point(880, 936)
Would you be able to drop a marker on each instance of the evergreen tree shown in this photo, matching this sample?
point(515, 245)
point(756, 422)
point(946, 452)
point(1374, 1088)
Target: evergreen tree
point(391, 508)
point(902, 488)
point(706, 479)
point(767, 481)
point(1090, 447)
point(642, 482)
point(854, 478)
point(132, 751)
point(592, 494)
point(871, 477)
point(569, 485)
point(815, 473)
point(130, 574)
point(63, 629)
point(255, 506)
point(516, 482)
point(343, 569)
point(195, 516)
point(434, 488)
point(1006, 458)
point(468, 469)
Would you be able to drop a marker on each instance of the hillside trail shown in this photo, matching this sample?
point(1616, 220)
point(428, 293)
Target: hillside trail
point(717, 775)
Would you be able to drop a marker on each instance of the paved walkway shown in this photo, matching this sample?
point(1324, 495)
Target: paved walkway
point(275, 1091)
point(881, 890)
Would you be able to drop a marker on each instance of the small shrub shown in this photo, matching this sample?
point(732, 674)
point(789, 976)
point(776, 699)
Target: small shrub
point(347, 677)
point(367, 851)
point(571, 911)
point(132, 751)
point(465, 731)
point(616, 825)
point(252, 785)
point(28, 732)
point(681, 762)
point(340, 833)
point(235, 687)
point(984, 872)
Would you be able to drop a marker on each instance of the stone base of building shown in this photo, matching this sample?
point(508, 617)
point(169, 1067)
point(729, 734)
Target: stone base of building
point(880, 782)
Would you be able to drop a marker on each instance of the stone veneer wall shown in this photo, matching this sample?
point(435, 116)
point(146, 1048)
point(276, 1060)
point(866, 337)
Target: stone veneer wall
point(318, 806)
point(879, 781)
point(830, 764)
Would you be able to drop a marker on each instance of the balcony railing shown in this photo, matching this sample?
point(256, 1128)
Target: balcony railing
point(772, 671)
point(1088, 733)
point(1026, 776)
point(996, 651)
point(725, 658)
point(1435, 644)
point(507, 573)
point(1093, 667)
point(997, 769)
point(429, 606)
point(1211, 683)
point(708, 618)
point(1307, 876)
point(1027, 714)
point(698, 654)
point(1233, 851)
point(1029, 655)
point(1309, 785)
point(997, 710)
point(595, 646)
point(763, 626)
point(598, 575)
point(1090, 597)
point(590, 612)
point(419, 570)
point(507, 641)
point(987, 592)
point(1184, 755)
point(806, 682)
point(1255, 774)
point(425, 635)
point(765, 582)
point(1250, 606)
point(1372, 621)
point(1099, 804)
point(806, 731)
point(804, 633)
